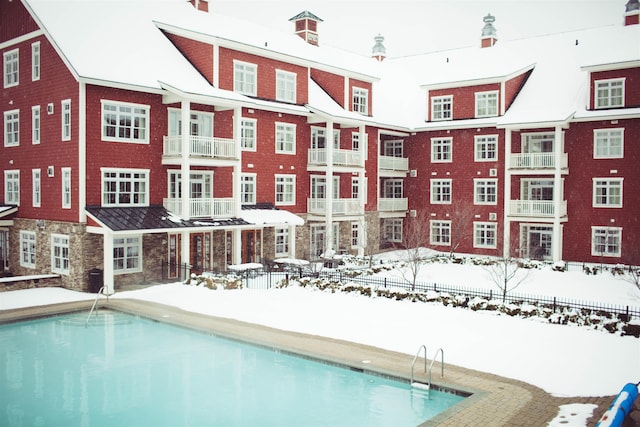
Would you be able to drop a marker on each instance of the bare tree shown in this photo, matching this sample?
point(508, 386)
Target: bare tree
point(461, 220)
point(507, 273)
point(415, 236)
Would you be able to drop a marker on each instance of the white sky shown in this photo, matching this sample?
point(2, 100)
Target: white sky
point(417, 26)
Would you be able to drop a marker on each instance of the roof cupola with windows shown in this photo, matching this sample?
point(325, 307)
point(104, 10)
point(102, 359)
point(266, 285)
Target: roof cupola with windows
point(632, 13)
point(489, 34)
point(378, 51)
point(307, 26)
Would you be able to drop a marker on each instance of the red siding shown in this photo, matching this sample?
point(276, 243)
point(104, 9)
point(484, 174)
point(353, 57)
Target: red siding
point(20, 23)
point(631, 85)
point(198, 53)
point(464, 101)
point(333, 84)
point(512, 88)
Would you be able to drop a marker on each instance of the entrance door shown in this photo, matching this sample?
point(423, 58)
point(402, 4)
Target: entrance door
point(174, 260)
point(200, 252)
point(318, 235)
point(251, 246)
point(538, 242)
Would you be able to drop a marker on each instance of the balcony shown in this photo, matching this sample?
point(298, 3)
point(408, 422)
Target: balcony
point(339, 206)
point(203, 208)
point(393, 166)
point(202, 146)
point(536, 208)
point(386, 204)
point(537, 161)
point(318, 157)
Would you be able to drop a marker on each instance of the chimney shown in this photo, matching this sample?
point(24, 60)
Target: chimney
point(632, 13)
point(379, 52)
point(489, 37)
point(307, 26)
point(201, 5)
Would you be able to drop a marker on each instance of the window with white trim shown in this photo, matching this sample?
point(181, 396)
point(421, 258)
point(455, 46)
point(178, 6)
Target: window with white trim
point(125, 187)
point(11, 67)
point(27, 249)
point(127, 254)
point(392, 188)
point(487, 104)
point(486, 148)
point(606, 241)
point(66, 188)
point(36, 190)
point(609, 93)
point(319, 138)
point(608, 143)
point(442, 108)
point(248, 134)
point(66, 120)
point(440, 191)
point(35, 61)
point(393, 230)
point(285, 138)
point(248, 188)
point(282, 242)
point(607, 192)
point(360, 100)
point(12, 187)
point(35, 124)
point(285, 86)
point(12, 128)
point(394, 148)
point(440, 232)
point(125, 122)
point(484, 235)
point(441, 150)
point(285, 190)
point(485, 191)
point(60, 253)
point(355, 234)
point(244, 78)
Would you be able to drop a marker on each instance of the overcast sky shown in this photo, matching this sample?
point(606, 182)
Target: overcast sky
point(416, 26)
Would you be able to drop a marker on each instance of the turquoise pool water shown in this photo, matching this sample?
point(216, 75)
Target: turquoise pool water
point(122, 370)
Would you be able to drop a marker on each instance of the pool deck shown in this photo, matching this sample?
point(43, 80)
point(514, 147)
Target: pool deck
point(495, 401)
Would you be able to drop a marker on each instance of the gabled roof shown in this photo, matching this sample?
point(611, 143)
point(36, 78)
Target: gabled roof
point(305, 14)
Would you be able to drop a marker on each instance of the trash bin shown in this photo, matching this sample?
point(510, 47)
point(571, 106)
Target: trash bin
point(95, 280)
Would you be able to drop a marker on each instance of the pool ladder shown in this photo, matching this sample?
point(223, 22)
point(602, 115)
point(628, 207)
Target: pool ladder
point(95, 305)
point(421, 385)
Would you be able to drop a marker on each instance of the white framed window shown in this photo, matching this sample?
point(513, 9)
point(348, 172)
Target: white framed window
point(442, 108)
point(248, 129)
point(125, 122)
point(440, 233)
point(485, 148)
point(484, 235)
point(285, 86)
point(285, 190)
point(248, 188)
point(440, 191)
point(606, 241)
point(355, 235)
point(125, 187)
point(36, 190)
point(66, 120)
point(200, 123)
point(35, 124)
point(35, 61)
point(608, 143)
point(393, 229)
point(394, 148)
point(27, 249)
point(392, 188)
point(360, 100)
point(12, 128)
point(285, 138)
point(11, 68)
point(60, 253)
point(319, 138)
point(282, 242)
point(12, 187)
point(245, 78)
point(485, 191)
point(127, 254)
point(607, 192)
point(441, 150)
point(487, 104)
point(609, 93)
point(66, 188)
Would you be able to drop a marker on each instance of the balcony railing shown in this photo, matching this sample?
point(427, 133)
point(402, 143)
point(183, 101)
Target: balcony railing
point(386, 204)
point(202, 146)
point(318, 157)
point(536, 208)
point(203, 208)
point(393, 163)
point(339, 206)
point(537, 160)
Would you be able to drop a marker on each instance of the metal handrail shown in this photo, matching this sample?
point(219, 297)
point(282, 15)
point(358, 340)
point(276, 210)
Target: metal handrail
point(413, 363)
point(95, 304)
point(431, 366)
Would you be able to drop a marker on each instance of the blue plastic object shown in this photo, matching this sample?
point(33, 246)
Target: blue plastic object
point(620, 407)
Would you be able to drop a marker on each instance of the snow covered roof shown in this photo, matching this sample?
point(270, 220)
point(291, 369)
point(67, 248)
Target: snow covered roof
point(270, 217)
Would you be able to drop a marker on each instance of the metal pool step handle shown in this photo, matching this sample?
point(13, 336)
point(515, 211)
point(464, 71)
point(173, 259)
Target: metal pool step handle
point(421, 385)
point(95, 304)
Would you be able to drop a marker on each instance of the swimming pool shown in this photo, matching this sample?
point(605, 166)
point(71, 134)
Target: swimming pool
point(125, 370)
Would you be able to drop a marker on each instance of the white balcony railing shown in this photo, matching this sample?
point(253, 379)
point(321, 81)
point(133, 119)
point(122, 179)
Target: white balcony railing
point(203, 208)
point(201, 146)
point(537, 160)
point(386, 204)
point(318, 157)
point(536, 208)
point(393, 163)
point(339, 206)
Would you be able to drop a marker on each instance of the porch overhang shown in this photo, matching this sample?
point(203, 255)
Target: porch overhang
point(269, 217)
point(7, 211)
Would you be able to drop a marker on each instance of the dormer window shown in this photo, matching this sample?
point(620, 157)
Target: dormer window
point(244, 78)
point(609, 93)
point(487, 104)
point(441, 108)
point(285, 86)
point(360, 100)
